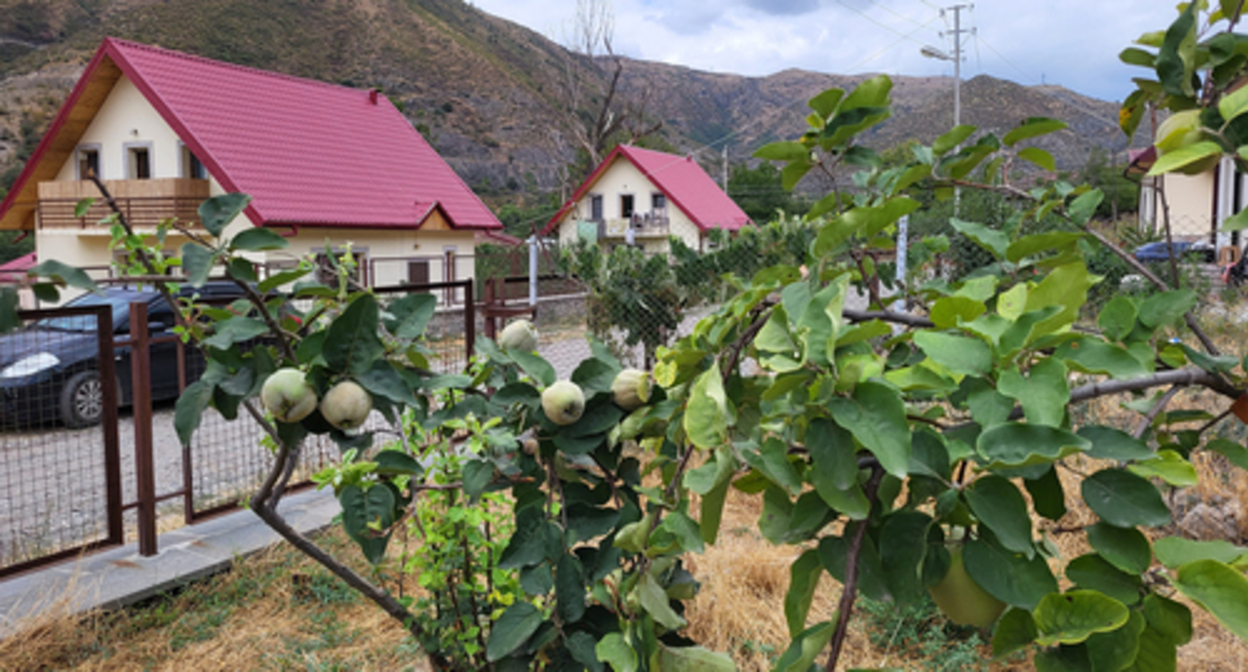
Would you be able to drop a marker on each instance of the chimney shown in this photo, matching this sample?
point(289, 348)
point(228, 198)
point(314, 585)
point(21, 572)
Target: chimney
point(372, 96)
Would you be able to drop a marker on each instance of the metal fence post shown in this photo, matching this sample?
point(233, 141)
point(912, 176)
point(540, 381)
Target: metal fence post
point(112, 443)
point(141, 381)
point(470, 322)
point(188, 473)
point(533, 270)
point(903, 248)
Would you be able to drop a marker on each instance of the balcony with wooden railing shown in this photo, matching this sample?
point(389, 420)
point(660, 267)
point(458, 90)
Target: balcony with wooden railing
point(653, 224)
point(145, 203)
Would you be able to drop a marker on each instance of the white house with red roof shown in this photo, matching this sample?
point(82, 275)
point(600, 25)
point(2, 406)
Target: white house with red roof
point(641, 196)
point(324, 164)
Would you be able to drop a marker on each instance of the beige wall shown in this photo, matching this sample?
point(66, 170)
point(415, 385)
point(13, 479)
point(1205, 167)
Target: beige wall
point(1190, 198)
point(390, 249)
point(126, 117)
point(620, 178)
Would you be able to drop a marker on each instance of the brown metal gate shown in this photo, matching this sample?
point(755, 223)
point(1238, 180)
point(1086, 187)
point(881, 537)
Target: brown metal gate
point(66, 491)
point(60, 487)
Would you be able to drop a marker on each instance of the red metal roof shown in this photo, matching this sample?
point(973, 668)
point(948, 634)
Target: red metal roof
point(309, 153)
point(14, 270)
point(680, 178)
point(498, 238)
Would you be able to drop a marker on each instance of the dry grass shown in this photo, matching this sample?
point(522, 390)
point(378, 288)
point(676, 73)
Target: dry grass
point(273, 611)
point(258, 617)
point(740, 608)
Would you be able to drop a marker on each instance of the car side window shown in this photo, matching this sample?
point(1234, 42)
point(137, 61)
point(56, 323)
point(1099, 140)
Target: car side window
point(162, 313)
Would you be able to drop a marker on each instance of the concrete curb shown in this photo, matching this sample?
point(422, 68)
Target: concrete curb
point(120, 576)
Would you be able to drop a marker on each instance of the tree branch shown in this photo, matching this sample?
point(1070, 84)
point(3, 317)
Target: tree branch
point(742, 341)
point(264, 502)
point(378, 596)
point(887, 316)
point(1147, 421)
point(1165, 219)
point(1185, 377)
point(1188, 376)
point(849, 592)
point(1209, 425)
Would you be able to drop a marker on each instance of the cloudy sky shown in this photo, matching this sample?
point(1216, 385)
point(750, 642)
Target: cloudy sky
point(1069, 42)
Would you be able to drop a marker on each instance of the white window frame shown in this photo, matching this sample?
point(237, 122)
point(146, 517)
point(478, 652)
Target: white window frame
point(127, 148)
point(99, 157)
point(360, 253)
point(183, 152)
point(602, 208)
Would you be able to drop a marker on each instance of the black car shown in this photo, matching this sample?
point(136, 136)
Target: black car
point(49, 370)
point(1158, 251)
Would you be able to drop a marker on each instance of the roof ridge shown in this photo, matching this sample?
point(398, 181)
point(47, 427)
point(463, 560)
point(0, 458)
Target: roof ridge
point(165, 51)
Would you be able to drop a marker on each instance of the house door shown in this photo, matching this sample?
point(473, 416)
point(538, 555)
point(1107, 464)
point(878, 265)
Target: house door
point(448, 272)
point(418, 272)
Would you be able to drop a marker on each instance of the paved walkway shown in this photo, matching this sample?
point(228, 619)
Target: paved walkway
point(120, 576)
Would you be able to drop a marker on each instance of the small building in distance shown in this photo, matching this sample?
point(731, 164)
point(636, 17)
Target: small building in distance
point(640, 197)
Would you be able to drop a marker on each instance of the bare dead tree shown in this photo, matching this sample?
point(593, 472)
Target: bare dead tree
point(595, 103)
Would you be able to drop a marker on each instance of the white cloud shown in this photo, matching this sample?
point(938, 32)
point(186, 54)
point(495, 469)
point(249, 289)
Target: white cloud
point(1070, 42)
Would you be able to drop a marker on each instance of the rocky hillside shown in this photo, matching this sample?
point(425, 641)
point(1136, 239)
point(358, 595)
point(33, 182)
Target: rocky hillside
point(482, 89)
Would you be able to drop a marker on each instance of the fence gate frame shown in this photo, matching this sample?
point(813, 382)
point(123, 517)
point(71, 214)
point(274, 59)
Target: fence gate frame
point(139, 341)
point(115, 535)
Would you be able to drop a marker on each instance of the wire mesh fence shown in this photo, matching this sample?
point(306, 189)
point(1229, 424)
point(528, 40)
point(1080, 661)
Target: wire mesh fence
point(59, 475)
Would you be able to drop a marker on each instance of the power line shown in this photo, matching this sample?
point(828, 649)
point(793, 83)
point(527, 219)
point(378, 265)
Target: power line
point(897, 14)
point(881, 52)
point(1007, 61)
point(872, 19)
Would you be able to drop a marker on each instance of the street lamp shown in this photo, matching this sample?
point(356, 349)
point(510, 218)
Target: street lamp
point(941, 55)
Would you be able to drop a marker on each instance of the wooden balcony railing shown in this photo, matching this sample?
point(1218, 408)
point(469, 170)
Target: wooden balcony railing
point(144, 202)
point(653, 224)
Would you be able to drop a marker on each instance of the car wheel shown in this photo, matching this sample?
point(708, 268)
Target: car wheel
point(82, 400)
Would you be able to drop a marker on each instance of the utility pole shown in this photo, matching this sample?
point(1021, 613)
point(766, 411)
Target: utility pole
point(957, 61)
point(956, 57)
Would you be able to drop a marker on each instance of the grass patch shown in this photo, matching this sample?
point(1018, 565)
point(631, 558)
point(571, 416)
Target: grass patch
point(276, 610)
point(919, 631)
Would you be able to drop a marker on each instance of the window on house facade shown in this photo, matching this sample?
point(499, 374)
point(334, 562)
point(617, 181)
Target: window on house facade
point(450, 274)
point(626, 206)
point(418, 272)
point(88, 162)
point(658, 202)
point(192, 167)
point(139, 163)
point(326, 268)
point(595, 207)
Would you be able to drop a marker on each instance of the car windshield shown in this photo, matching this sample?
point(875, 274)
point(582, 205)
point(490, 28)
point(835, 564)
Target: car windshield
point(119, 304)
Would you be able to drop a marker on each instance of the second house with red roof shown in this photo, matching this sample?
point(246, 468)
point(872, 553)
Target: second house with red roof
point(641, 197)
point(324, 164)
